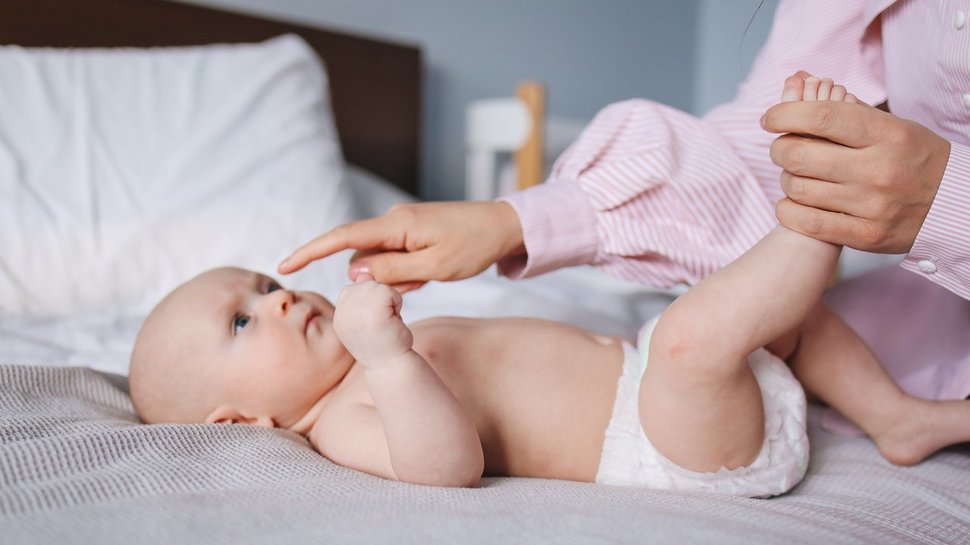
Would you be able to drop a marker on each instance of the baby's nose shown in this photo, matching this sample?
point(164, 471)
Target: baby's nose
point(280, 301)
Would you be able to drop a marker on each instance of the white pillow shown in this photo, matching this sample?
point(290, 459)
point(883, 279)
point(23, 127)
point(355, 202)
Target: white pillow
point(123, 172)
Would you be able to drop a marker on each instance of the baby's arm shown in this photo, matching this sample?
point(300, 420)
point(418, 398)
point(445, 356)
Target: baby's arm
point(429, 437)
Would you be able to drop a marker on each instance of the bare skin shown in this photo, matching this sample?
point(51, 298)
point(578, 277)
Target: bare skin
point(853, 175)
point(446, 400)
point(906, 429)
point(540, 393)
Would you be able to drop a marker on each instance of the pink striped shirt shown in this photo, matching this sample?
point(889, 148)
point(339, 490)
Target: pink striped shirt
point(654, 195)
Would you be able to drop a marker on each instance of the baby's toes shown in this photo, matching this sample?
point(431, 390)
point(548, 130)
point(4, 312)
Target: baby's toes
point(838, 93)
point(825, 89)
point(793, 87)
point(810, 93)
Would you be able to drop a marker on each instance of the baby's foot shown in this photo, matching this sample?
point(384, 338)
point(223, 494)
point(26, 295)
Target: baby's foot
point(803, 86)
point(922, 428)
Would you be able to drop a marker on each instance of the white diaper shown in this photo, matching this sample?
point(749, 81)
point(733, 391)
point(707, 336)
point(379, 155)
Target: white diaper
point(629, 459)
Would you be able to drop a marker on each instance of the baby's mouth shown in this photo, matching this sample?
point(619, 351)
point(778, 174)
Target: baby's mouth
point(309, 318)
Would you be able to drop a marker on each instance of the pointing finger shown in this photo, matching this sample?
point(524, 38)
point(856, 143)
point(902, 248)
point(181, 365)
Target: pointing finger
point(366, 234)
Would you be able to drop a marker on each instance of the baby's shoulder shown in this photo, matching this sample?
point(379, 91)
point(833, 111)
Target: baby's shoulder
point(339, 419)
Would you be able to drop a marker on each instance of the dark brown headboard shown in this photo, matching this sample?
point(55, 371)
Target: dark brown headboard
point(375, 85)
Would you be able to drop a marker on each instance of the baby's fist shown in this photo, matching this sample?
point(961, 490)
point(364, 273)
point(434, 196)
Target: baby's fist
point(368, 322)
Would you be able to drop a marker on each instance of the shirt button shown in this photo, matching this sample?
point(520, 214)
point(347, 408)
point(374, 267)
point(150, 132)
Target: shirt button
point(959, 19)
point(926, 266)
point(966, 100)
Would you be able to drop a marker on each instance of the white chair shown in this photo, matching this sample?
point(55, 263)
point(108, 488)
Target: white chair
point(504, 125)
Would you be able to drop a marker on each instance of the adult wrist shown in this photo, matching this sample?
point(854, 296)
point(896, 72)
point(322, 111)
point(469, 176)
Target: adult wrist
point(511, 227)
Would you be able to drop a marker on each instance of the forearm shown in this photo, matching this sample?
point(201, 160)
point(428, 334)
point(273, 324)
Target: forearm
point(761, 295)
point(640, 183)
point(431, 439)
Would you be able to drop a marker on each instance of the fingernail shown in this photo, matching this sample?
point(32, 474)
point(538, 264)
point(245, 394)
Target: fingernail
point(356, 270)
point(283, 263)
point(762, 120)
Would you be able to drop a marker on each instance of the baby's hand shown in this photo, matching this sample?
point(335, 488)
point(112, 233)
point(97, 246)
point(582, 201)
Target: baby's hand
point(368, 322)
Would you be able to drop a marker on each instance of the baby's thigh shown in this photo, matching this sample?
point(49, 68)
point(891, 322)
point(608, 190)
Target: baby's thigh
point(701, 411)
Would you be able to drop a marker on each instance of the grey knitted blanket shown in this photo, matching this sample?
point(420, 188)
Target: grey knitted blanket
point(77, 467)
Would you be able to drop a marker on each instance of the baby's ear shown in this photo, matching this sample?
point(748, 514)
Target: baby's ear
point(224, 414)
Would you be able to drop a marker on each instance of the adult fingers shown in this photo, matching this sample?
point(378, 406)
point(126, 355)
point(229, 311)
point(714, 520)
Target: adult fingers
point(832, 227)
point(370, 233)
point(817, 193)
point(405, 287)
point(396, 268)
point(818, 158)
point(845, 123)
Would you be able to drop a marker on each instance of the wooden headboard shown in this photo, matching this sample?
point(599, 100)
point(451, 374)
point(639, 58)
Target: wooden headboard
point(375, 85)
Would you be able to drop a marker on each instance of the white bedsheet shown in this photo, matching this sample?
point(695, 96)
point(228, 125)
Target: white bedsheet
point(581, 296)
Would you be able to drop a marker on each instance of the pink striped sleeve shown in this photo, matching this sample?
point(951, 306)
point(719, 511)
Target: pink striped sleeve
point(654, 195)
point(941, 252)
point(828, 38)
point(558, 224)
point(670, 201)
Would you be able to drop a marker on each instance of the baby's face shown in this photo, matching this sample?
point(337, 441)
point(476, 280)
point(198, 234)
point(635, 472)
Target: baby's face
point(261, 350)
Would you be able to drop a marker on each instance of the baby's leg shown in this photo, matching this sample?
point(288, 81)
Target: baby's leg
point(834, 363)
point(700, 404)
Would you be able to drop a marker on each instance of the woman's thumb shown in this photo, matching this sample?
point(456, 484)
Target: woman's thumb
point(392, 267)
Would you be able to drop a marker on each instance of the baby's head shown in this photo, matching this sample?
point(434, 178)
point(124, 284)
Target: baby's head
point(232, 345)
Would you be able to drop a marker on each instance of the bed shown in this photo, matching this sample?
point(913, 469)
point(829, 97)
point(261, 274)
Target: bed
point(86, 249)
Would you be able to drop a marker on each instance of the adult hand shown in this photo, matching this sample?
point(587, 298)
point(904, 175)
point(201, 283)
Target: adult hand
point(855, 175)
point(414, 243)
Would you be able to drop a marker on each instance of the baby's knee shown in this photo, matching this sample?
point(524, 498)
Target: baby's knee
point(682, 345)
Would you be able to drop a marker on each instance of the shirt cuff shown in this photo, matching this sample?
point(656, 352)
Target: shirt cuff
point(559, 229)
point(941, 251)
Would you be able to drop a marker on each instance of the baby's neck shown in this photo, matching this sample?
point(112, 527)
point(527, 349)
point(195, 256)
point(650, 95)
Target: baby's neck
point(305, 423)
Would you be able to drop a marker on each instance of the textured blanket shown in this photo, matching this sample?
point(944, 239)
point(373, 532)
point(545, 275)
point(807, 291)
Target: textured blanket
point(77, 467)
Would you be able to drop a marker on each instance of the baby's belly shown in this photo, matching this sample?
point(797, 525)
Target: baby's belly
point(541, 400)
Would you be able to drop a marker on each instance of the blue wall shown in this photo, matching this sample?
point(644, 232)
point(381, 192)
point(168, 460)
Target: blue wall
point(686, 53)
point(727, 45)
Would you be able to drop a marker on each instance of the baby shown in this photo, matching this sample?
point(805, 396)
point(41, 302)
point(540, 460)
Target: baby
point(446, 400)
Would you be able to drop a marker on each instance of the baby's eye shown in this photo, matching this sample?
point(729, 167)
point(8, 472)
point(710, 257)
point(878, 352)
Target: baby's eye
point(273, 286)
point(239, 321)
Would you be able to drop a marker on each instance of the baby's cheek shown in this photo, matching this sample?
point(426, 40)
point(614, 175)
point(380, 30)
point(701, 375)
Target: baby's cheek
point(331, 350)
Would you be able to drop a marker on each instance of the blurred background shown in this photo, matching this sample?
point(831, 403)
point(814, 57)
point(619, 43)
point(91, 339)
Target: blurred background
point(690, 54)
